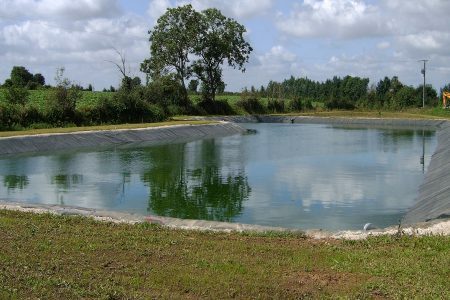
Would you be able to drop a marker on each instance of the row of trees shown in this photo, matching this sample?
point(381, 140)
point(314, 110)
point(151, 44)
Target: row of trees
point(59, 106)
point(20, 77)
point(351, 92)
point(160, 99)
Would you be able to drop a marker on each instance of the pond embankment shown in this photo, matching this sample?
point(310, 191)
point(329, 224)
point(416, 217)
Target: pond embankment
point(366, 122)
point(433, 201)
point(90, 139)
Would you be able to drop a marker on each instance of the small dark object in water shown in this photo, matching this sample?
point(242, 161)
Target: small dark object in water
point(292, 121)
point(251, 131)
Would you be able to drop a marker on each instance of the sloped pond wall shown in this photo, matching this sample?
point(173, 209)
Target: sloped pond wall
point(89, 139)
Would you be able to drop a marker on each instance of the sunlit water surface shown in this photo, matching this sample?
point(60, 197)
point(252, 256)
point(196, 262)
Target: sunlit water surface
point(290, 175)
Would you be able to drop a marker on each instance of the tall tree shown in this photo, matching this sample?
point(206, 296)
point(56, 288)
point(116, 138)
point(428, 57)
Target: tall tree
point(431, 95)
point(39, 79)
point(172, 40)
point(219, 39)
point(20, 76)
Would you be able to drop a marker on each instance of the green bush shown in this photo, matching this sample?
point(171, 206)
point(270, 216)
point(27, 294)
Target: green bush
point(11, 116)
point(61, 104)
point(104, 111)
point(155, 113)
point(40, 125)
point(275, 106)
point(165, 91)
point(307, 104)
point(251, 105)
point(216, 107)
point(133, 107)
point(295, 105)
point(174, 110)
point(404, 98)
point(336, 103)
point(16, 95)
point(32, 114)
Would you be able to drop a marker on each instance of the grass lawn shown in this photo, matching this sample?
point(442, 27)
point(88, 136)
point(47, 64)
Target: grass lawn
point(55, 257)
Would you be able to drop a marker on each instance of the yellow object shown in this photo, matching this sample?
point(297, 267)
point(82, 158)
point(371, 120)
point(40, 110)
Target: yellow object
point(445, 96)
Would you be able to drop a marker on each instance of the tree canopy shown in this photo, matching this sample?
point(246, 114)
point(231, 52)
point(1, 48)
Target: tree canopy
point(219, 39)
point(21, 78)
point(188, 43)
point(172, 40)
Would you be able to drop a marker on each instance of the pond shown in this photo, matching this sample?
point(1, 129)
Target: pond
point(290, 175)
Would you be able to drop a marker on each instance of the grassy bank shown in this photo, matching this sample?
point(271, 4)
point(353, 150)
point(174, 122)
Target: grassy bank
point(49, 257)
point(101, 127)
point(413, 113)
point(409, 114)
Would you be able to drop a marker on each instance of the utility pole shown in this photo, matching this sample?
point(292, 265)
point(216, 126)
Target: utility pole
point(423, 72)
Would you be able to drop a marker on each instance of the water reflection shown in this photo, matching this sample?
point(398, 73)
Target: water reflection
point(422, 157)
point(293, 175)
point(66, 182)
point(12, 182)
point(183, 188)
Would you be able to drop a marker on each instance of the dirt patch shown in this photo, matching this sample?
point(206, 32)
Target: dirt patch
point(317, 282)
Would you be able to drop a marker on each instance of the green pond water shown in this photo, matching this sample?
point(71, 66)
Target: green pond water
point(290, 175)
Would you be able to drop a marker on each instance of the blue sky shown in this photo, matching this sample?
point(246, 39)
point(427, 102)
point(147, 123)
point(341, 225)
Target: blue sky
point(317, 39)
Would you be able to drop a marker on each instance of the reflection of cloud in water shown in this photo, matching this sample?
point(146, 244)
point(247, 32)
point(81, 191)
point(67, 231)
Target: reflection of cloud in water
point(368, 182)
point(288, 176)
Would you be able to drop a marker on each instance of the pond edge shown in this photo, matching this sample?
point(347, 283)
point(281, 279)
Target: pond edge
point(430, 214)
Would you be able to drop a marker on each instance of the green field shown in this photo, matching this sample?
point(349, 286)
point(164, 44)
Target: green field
point(38, 97)
point(89, 99)
point(53, 257)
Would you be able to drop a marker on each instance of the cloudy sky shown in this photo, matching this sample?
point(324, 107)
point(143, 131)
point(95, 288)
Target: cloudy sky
point(304, 38)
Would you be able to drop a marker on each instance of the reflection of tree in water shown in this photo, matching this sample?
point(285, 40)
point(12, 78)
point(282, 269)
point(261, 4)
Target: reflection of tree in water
point(64, 182)
point(396, 135)
point(203, 191)
point(15, 182)
point(391, 139)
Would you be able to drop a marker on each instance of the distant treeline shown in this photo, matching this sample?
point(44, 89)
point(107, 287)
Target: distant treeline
point(160, 99)
point(352, 92)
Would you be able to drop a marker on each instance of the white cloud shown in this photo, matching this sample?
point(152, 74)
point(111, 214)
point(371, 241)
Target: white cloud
point(426, 42)
point(240, 9)
point(61, 9)
point(83, 47)
point(334, 18)
point(389, 36)
point(277, 55)
point(383, 45)
point(156, 8)
point(96, 34)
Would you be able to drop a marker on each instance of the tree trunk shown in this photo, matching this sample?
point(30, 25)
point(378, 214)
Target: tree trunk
point(184, 100)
